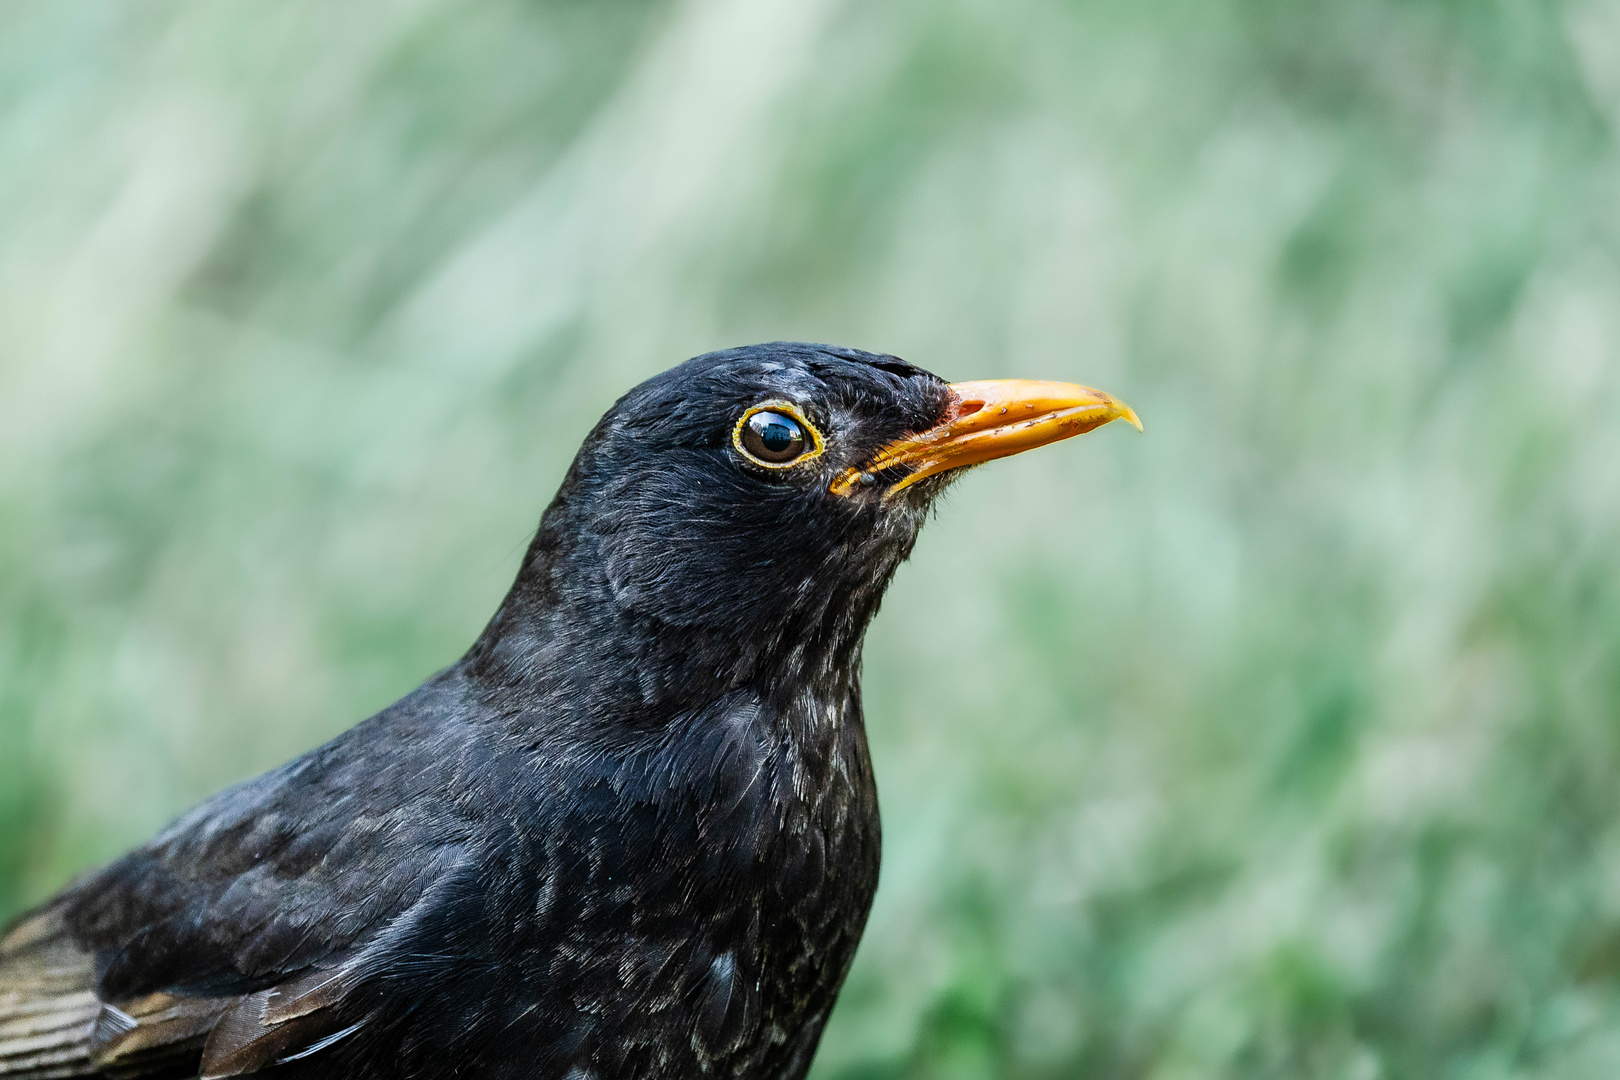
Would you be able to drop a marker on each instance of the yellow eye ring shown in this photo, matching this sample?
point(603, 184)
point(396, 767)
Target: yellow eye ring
point(789, 411)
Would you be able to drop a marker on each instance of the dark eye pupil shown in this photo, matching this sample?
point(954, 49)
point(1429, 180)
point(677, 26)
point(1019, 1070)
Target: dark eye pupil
point(772, 437)
point(778, 437)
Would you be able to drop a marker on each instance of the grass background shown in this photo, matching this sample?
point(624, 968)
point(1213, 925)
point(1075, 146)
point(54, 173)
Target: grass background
point(1280, 742)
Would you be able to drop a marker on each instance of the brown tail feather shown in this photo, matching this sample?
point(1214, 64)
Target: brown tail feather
point(52, 1024)
point(47, 1007)
point(159, 1031)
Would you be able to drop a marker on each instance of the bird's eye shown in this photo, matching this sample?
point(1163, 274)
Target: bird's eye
point(773, 438)
point(776, 435)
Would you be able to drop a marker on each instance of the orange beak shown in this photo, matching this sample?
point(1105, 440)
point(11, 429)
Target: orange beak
point(988, 420)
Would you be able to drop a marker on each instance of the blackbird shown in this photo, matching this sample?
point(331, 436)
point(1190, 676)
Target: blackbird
point(632, 833)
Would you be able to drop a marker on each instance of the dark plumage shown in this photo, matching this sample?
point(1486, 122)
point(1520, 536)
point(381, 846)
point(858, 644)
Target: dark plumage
point(632, 833)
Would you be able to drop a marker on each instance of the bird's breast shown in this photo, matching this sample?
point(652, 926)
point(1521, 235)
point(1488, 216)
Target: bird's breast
point(706, 899)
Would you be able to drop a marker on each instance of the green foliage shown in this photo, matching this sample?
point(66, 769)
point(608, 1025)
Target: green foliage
point(1281, 741)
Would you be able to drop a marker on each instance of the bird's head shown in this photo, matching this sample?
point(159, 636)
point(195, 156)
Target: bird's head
point(739, 516)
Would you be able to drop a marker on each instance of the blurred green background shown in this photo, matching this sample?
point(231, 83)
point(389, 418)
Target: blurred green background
point(1282, 741)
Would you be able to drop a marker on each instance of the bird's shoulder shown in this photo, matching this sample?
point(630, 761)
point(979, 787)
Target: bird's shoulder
point(271, 895)
point(308, 859)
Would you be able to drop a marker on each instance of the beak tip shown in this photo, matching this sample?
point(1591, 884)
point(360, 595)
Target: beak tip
point(1128, 414)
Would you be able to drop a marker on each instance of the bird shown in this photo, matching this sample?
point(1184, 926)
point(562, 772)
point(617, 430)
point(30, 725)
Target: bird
point(632, 833)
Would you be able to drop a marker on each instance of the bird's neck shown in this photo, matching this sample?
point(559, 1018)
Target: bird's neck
point(563, 641)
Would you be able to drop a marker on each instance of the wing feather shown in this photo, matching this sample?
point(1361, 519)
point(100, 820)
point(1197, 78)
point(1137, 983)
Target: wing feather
point(236, 937)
